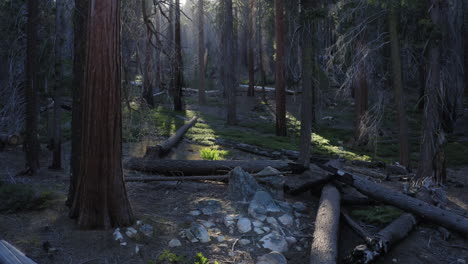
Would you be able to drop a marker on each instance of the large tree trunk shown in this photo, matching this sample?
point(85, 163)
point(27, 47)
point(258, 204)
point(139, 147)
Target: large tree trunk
point(426, 211)
point(206, 167)
point(324, 248)
point(228, 69)
point(281, 126)
point(100, 199)
point(148, 64)
point(361, 98)
point(201, 54)
point(308, 62)
point(251, 41)
point(178, 61)
point(398, 86)
point(80, 36)
point(31, 144)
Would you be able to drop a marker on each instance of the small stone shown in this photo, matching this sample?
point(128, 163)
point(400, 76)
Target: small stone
point(244, 242)
point(229, 220)
point(139, 223)
point(207, 224)
point(274, 242)
point(220, 238)
point(258, 231)
point(266, 229)
point(298, 248)
point(175, 243)
point(137, 249)
point(291, 240)
point(394, 261)
point(231, 254)
point(461, 261)
point(195, 213)
point(123, 243)
point(147, 230)
point(209, 206)
point(197, 232)
point(117, 235)
point(272, 258)
point(131, 232)
point(257, 223)
point(244, 225)
point(271, 221)
point(286, 220)
point(299, 207)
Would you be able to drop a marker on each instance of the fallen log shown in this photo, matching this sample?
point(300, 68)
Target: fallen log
point(162, 149)
point(207, 167)
point(259, 89)
point(324, 249)
point(12, 140)
point(426, 211)
point(308, 180)
point(383, 240)
point(11, 255)
point(349, 199)
point(193, 178)
point(368, 238)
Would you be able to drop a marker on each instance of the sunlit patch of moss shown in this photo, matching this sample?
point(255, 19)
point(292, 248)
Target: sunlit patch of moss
point(377, 215)
point(213, 154)
point(323, 146)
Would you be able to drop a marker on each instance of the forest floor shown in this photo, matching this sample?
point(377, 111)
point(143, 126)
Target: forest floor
point(166, 206)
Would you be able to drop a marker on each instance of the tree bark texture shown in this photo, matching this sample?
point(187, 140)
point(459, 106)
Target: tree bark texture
point(201, 54)
point(281, 125)
point(324, 249)
point(251, 41)
point(361, 97)
point(229, 78)
point(148, 64)
point(100, 199)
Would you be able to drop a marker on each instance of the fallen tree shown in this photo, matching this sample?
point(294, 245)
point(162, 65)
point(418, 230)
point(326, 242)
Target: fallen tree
point(207, 167)
point(324, 249)
point(259, 89)
point(308, 180)
point(383, 240)
point(192, 178)
point(11, 255)
point(426, 211)
point(162, 149)
point(368, 238)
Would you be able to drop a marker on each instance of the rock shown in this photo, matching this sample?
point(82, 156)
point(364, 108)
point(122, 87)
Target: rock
point(461, 261)
point(272, 221)
point(229, 220)
point(207, 224)
point(300, 207)
point(139, 222)
point(394, 260)
point(210, 206)
point(291, 240)
point(262, 204)
point(197, 232)
point(244, 225)
point(274, 242)
point(231, 254)
point(175, 243)
point(286, 220)
point(256, 223)
point(244, 242)
point(215, 230)
point(266, 229)
point(258, 231)
point(147, 230)
point(285, 207)
point(220, 238)
point(242, 186)
point(195, 213)
point(117, 235)
point(137, 249)
point(298, 248)
point(272, 258)
point(123, 243)
point(273, 184)
point(131, 232)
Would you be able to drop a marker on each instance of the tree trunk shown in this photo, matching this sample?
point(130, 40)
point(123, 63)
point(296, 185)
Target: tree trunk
point(31, 144)
point(100, 199)
point(361, 98)
point(11, 255)
point(324, 248)
point(148, 64)
point(398, 86)
point(251, 41)
point(206, 167)
point(201, 54)
point(308, 62)
point(178, 61)
point(281, 128)
point(162, 149)
point(426, 211)
point(228, 69)
point(80, 40)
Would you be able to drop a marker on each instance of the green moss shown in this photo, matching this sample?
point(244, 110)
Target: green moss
point(213, 154)
point(377, 215)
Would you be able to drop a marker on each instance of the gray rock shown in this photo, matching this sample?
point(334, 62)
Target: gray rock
point(272, 258)
point(197, 232)
point(256, 223)
point(210, 206)
point(220, 238)
point(286, 220)
point(131, 232)
point(272, 221)
point(261, 205)
point(266, 229)
point(259, 231)
point(207, 224)
point(147, 230)
point(175, 243)
point(244, 242)
point(195, 213)
point(300, 207)
point(291, 240)
point(229, 220)
point(242, 186)
point(244, 225)
point(274, 242)
point(273, 184)
point(117, 235)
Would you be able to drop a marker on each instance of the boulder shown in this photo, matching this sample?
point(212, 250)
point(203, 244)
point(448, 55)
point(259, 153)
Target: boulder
point(273, 184)
point(242, 186)
point(261, 205)
point(274, 242)
point(197, 232)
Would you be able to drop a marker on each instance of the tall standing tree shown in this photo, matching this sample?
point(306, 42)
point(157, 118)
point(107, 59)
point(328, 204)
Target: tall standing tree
point(251, 41)
point(398, 84)
point(308, 62)
point(281, 126)
point(31, 144)
point(201, 54)
point(148, 64)
point(229, 79)
point(178, 61)
point(100, 199)
point(361, 95)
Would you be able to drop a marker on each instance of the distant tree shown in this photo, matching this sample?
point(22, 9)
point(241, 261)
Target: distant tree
point(201, 54)
point(229, 79)
point(361, 96)
point(178, 61)
point(251, 40)
point(148, 64)
point(31, 144)
point(100, 199)
point(281, 127)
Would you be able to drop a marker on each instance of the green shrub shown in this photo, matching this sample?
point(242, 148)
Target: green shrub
point(213, 154)
point(16, 197)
